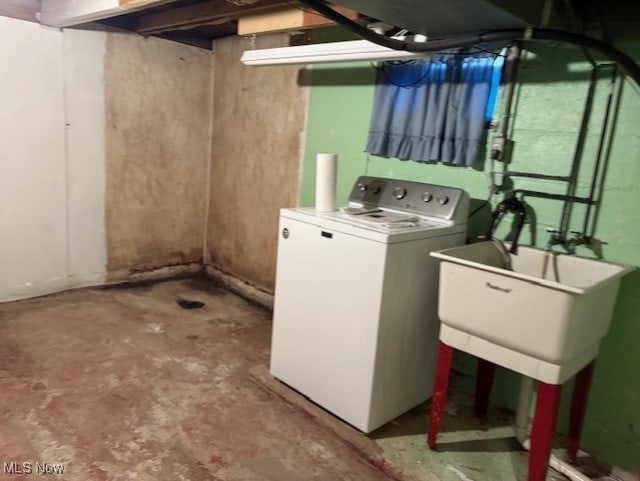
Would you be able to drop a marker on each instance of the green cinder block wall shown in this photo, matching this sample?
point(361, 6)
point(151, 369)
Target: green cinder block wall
point(549, 106)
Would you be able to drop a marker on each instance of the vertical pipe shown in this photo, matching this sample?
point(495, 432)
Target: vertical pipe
point(601, 145)
point(546, 13)
point(523, 409)
point(577, 157)
point(511, 72)
point(607, 156)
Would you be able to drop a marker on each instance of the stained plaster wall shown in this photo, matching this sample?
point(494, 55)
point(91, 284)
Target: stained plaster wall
point(259, 116)
point(103, 158)
point(157, 97)
point(549, 107)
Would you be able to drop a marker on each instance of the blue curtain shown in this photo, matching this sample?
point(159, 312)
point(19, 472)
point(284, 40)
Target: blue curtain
point(434, 110)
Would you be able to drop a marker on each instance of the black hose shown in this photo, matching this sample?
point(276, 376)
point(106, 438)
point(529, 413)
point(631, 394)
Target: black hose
point(623, 60)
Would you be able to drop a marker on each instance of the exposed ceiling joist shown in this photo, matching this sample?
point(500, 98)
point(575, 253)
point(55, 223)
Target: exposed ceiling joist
point(286, 19)
point(208, 13)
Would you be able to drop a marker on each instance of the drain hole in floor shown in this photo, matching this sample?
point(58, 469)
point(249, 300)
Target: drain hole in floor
point(189, 304)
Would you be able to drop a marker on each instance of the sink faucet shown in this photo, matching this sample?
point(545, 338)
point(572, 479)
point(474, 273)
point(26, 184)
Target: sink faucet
point(554, 239)
point(578, 239)
point(569, 245)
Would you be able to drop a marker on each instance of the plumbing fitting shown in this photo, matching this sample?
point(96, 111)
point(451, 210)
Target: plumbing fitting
point(514, 205)
point(578, 239)
point(554, 239)
point(569, 245)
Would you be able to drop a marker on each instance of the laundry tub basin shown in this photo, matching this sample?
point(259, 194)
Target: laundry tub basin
point(518, 309)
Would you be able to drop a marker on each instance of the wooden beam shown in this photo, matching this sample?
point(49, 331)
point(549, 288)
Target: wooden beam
point(192, 16)
point(288, 18)
point(66, 13)
point(20, 9)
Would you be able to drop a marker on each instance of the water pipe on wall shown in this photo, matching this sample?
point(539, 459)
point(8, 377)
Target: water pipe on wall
point(577, 156)
point(626, 63)
point(561, 236)
point(601, 155)
point(512, 63)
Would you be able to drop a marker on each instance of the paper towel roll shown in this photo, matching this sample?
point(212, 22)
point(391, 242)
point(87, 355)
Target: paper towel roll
point(326, 170)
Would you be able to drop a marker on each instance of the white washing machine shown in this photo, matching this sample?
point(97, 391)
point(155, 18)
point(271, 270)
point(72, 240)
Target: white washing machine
point(355, 325)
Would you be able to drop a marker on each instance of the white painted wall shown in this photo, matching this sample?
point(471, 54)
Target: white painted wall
point(84, 53)
point(52, 162)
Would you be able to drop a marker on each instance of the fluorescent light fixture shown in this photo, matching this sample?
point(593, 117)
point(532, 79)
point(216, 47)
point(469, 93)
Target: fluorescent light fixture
point(349, 51)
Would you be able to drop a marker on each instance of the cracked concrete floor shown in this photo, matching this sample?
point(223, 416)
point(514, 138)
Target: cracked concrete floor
point(122, 383)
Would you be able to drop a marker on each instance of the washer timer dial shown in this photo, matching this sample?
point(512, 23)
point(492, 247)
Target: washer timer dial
point(442, 199)
point(399, 192)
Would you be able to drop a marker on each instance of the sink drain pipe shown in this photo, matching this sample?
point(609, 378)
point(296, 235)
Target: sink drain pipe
point(522, 432)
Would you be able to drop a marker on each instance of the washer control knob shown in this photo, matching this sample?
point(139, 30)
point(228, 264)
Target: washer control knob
point(399, 192)
point(427, 197)
point(361, 186)
point(443, 199)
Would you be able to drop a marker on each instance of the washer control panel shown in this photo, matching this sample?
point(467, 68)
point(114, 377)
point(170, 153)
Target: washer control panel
point(415, 197)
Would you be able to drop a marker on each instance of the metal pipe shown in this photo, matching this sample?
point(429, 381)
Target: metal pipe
point(510, 74)
point(522, 411)
point(607, 155)
point(577, 156)
point(546, 13)
point(532, 175)
point(601, 144)
point(574, 26)
point(546, 195)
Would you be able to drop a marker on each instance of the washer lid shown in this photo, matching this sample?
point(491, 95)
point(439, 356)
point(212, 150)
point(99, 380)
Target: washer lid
point(375, 230)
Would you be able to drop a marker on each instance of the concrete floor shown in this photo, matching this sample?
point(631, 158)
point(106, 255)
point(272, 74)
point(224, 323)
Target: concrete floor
point(122, 383)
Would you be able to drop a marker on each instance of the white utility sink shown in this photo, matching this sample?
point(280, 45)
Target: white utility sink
point(543, 316)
